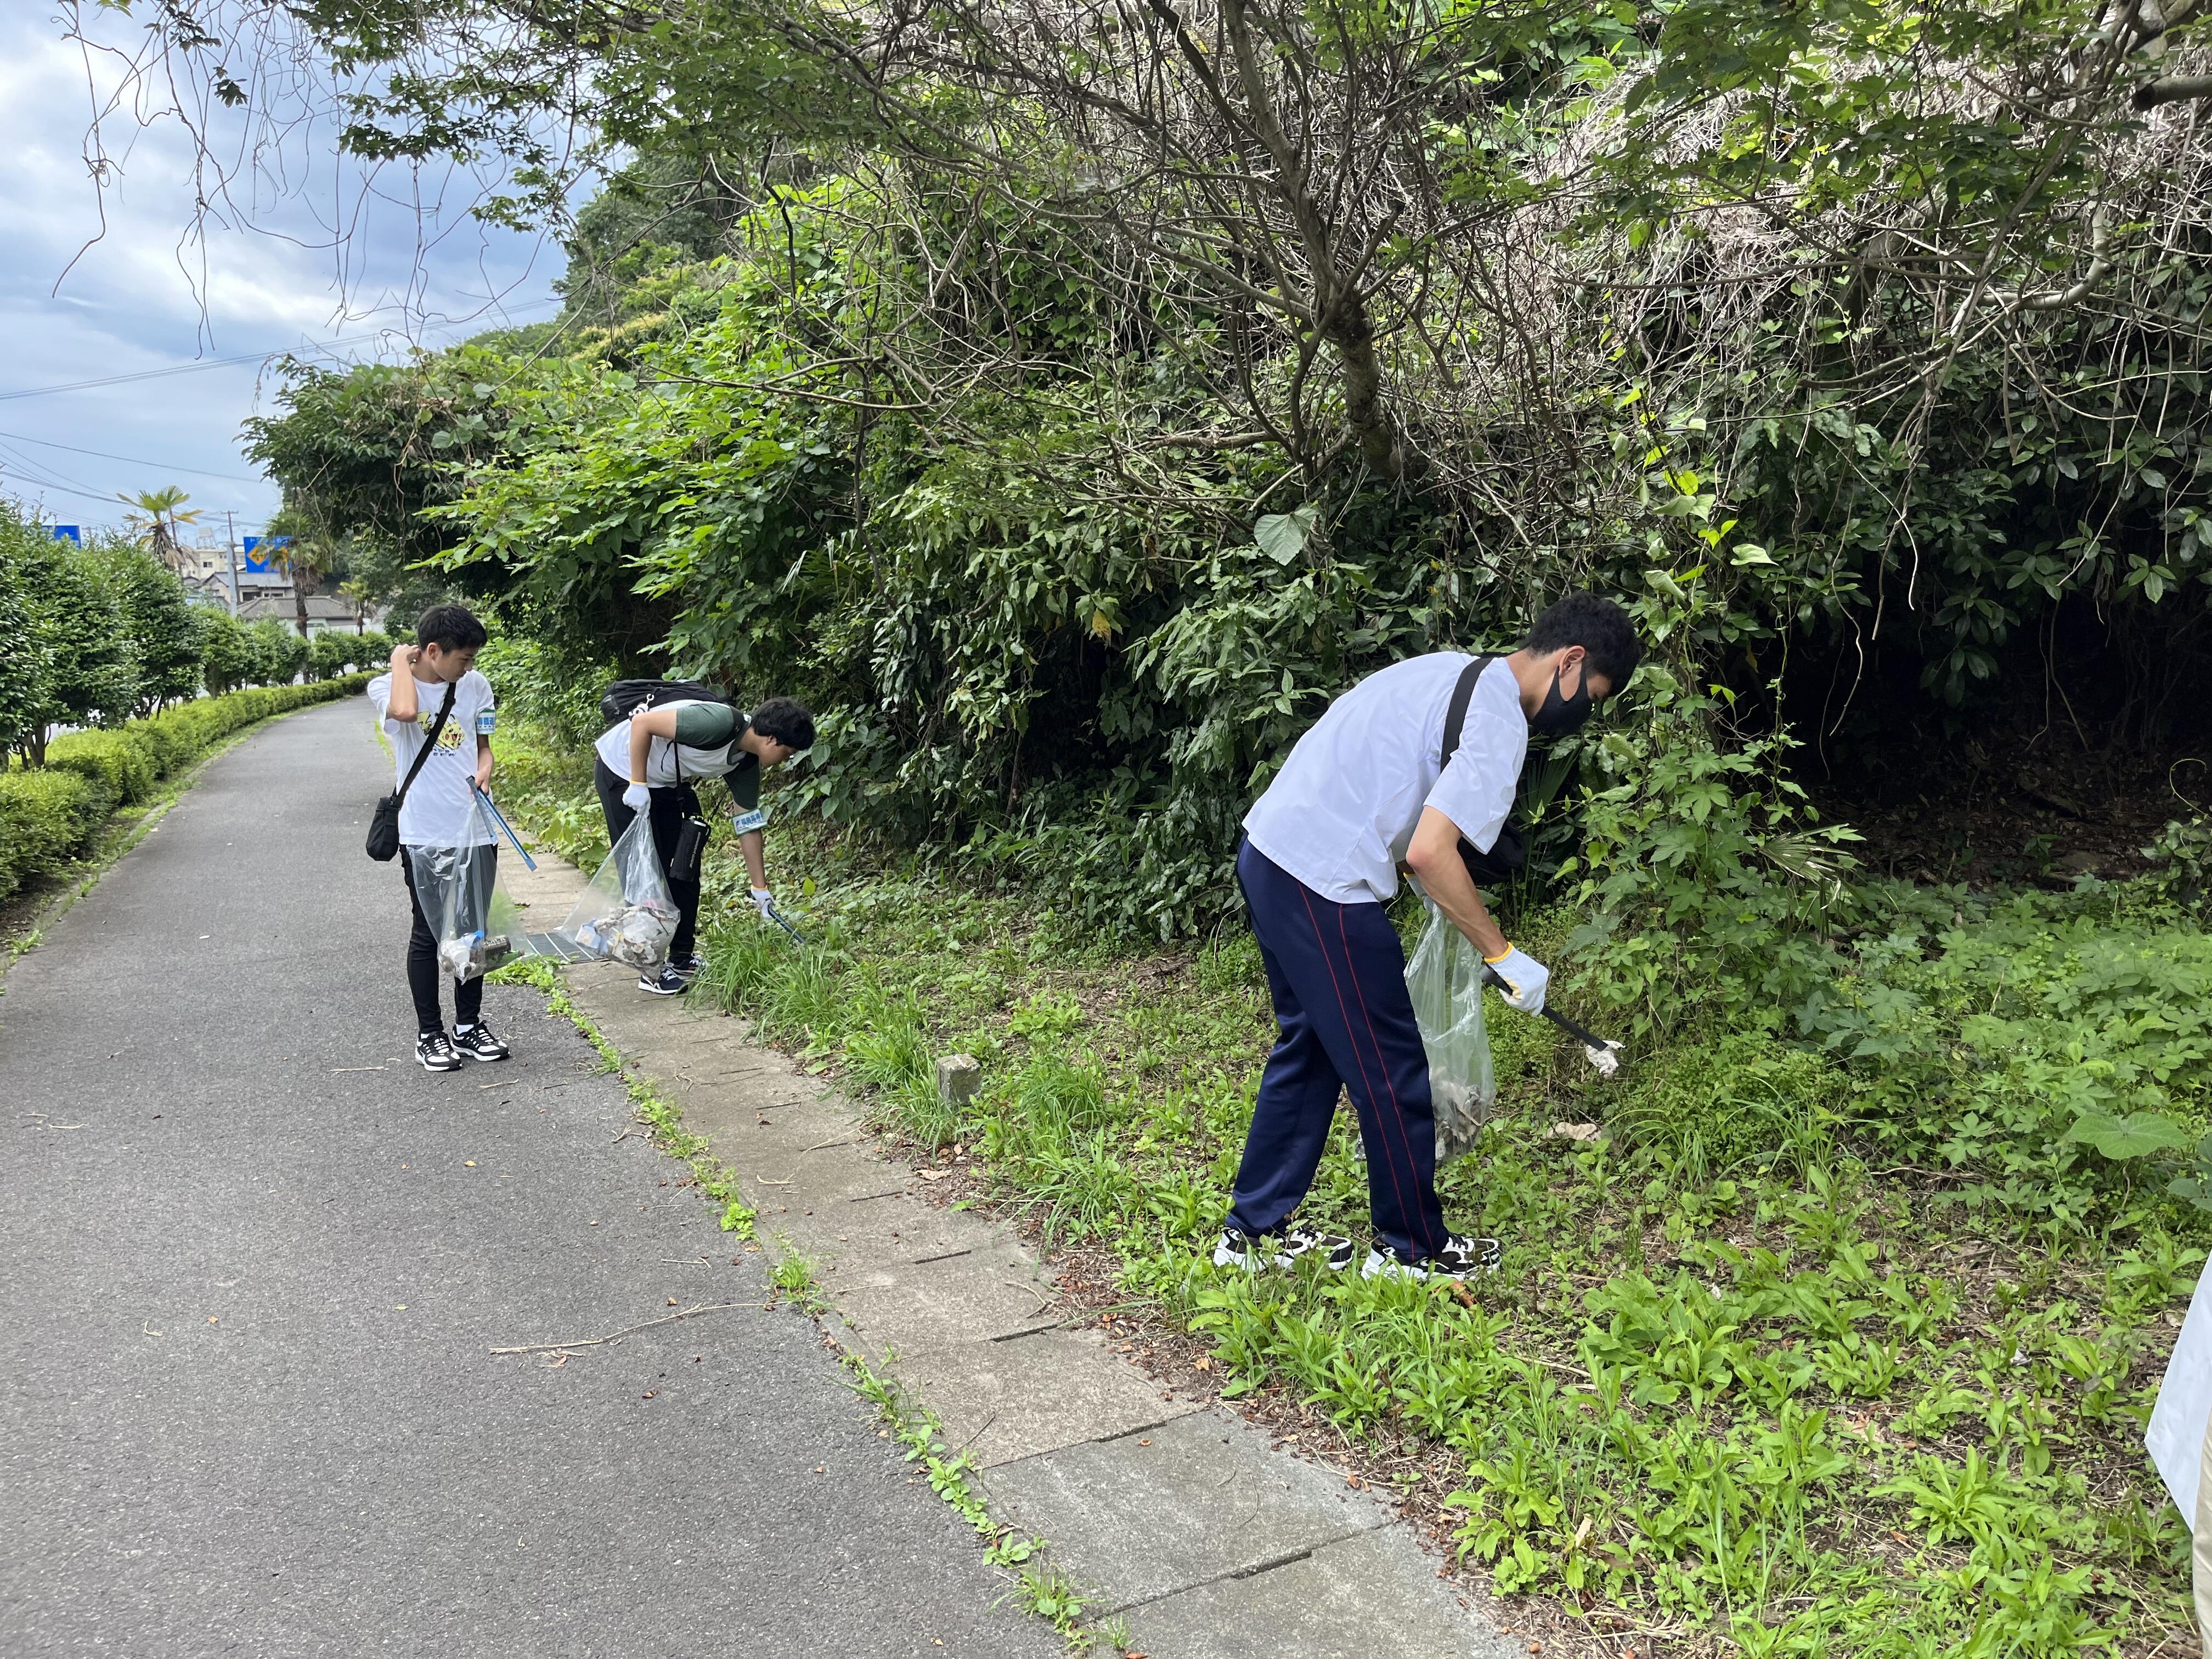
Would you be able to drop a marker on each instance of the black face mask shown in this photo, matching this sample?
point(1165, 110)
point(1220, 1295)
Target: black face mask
point(1557, 715)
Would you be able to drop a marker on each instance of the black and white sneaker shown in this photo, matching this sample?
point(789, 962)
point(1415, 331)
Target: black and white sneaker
point(436, 1052)
point(1331, 1250)
point(687, 968)
point(665, 983)
point(1462, 1257)
point(478, 1042)
point(1239, 1248)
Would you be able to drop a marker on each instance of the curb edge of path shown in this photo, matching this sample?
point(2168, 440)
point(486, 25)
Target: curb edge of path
point(1174, 1517)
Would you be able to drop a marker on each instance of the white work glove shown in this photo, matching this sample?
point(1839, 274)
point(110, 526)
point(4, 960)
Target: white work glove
point(764, 901)
point(637, 798)
point(1525, 978)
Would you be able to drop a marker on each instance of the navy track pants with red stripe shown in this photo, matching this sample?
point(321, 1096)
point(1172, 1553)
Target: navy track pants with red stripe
point(1337, 973)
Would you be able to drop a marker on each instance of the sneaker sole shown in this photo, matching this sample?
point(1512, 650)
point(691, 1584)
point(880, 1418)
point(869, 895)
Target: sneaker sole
point(1283, 1262)
point(662, 990)
point(434, 1066)
point(1379, 1266)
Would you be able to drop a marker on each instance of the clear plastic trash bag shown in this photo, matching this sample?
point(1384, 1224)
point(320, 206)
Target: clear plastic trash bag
point(626, 913)
point(1444, 980)
point(478, 924)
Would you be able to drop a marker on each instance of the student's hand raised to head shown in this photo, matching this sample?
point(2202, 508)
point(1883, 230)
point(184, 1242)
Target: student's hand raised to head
point(399, 703)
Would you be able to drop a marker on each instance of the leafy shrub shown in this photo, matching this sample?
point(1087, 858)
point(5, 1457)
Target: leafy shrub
point(50, 813)
point(330, 655)
point(2181, 862)
point(539, 682)
point(44, 817)
point(121, 765)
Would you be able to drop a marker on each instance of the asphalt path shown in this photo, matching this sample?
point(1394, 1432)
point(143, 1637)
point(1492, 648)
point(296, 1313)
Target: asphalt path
point(253, 1259)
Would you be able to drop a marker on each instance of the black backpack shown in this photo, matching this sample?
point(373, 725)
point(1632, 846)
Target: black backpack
point(625, 697)
point(1508, 854)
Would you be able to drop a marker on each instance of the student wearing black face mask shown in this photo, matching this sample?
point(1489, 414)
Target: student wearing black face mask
point(1368, 788)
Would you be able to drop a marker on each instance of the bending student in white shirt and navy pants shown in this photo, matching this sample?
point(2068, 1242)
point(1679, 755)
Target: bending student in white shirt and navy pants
point(1365, 789)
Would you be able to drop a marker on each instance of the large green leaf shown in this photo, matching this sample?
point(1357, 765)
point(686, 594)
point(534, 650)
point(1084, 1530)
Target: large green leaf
point(1282, 536)
point(2136, 1135)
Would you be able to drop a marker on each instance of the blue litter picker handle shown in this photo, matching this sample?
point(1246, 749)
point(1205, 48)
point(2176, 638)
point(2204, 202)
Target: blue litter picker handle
point(776, 916)
point(500, 818)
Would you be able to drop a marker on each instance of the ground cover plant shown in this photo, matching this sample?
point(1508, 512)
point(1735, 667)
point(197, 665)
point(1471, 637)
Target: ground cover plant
point(1834, 1333)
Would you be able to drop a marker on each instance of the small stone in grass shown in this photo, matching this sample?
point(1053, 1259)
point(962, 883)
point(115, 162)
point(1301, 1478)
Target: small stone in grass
point(959, 1078)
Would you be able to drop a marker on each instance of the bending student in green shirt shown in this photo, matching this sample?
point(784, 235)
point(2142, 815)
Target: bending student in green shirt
point(650, 762)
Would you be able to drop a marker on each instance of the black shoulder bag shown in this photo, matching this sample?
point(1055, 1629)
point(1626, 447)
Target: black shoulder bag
point(1508, 854)
point(383, 822)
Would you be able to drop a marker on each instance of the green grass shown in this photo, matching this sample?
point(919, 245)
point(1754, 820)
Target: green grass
point(1754, 1379)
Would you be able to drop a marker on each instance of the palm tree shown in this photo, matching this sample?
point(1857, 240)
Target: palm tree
point(165, 512)
point(305, 557)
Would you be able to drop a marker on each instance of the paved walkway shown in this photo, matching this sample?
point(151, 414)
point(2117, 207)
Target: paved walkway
point(254, 1257)
point(1178, 1520)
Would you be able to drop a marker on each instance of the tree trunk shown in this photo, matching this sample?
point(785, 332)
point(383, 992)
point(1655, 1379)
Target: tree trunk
point(300, 603)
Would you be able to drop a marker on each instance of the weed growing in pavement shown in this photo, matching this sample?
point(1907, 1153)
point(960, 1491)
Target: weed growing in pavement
point(794, 1276)
point(1042, 1589)
point(1840, 1338)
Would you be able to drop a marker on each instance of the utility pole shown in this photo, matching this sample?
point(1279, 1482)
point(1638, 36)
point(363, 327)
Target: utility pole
point(230, 552)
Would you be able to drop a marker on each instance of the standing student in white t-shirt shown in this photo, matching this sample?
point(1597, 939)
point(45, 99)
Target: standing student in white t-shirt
point(1368, 788)
point(439, 808)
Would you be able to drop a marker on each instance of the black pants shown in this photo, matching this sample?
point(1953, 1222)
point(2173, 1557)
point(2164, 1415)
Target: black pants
point(423, 970)
point(671, 804)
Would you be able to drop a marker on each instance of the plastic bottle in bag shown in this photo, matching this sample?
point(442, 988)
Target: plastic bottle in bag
point(626, 913)
point(478, 924)
point(1444, 980)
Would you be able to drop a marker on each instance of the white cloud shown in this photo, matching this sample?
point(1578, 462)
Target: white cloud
point(321, 254)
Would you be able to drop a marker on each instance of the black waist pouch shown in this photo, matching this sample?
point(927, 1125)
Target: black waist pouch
point(690, 850)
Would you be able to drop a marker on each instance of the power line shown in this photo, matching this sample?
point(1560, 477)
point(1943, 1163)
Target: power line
point(43, 486)
point(225, 362)
point(157, 374)
point(135, 460)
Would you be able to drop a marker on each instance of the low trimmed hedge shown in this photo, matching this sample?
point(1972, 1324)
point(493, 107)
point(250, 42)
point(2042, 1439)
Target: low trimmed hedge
point(49, 814)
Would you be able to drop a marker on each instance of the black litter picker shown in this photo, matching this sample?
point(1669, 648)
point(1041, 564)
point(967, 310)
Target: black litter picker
point(1601, 1052)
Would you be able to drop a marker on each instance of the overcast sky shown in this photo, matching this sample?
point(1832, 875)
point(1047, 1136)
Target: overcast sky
point(139, 298)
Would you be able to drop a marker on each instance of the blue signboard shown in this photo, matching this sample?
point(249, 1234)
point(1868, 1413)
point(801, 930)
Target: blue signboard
point(260, 566)
point(68, 532)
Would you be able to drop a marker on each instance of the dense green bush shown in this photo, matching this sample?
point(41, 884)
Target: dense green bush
point(120, 765)
point(45, 815)
point(163, 623)
point(85, 660)
point(328, 656)
point(49, 813)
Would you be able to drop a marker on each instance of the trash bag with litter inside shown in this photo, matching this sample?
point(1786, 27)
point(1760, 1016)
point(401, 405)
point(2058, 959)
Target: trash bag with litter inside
point(464, 899)
point(626, 913)
point(1444, 980)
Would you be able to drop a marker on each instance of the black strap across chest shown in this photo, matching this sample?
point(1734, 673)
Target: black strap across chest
point(430, 743)
point(1463, 694)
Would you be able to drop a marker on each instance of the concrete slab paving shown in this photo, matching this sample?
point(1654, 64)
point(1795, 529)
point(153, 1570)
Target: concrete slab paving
point(1178, 1516)
point(1005, 1400)
point(1375, 1592)
point(1192, 1501)
point(994, 1289)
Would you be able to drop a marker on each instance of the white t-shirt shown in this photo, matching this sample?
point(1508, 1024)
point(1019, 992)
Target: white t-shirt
point(440, 810)
point(660, 756)
point(1340, 814)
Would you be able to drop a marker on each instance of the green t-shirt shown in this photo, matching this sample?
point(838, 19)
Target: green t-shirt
point(715, 725)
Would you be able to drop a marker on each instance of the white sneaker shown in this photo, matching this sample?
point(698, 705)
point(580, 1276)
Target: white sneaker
point(1239, 1248)
point(1462, 1257)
